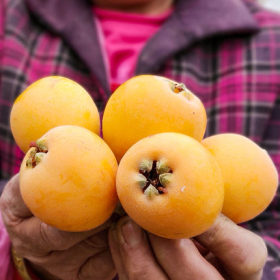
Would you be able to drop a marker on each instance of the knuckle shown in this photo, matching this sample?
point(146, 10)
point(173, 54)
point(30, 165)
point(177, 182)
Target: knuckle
point(10, 221)
point(97, 241)
point(46, 237)
point(51, 238)
point(93, 268)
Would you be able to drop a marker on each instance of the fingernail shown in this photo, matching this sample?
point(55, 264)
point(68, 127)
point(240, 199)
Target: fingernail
point(131, 233)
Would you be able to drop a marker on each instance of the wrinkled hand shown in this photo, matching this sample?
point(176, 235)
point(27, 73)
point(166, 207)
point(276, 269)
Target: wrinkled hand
point(52, 253)
point(226, 251)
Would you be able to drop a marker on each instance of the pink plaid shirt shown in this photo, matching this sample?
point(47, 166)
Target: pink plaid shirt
point(227, 52)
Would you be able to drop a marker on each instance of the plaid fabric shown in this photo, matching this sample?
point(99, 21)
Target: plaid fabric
point(237, 77)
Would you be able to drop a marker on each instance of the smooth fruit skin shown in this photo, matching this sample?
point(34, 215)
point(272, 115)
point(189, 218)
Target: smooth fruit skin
point(194, 195)
point(146, 105)
point(249, 174)
point(50, 102)
point(73, 187)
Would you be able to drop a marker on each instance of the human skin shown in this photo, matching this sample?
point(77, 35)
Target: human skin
point(55, 254)
point(136, 6)
point(60, 255)
point(137, 255)
point(225, 251)
point(71, 183)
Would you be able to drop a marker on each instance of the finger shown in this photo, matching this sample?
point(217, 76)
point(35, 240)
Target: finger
point(181, 259)
point(115, 251)
point(34, 236)
point(89, 259)
point(242, 252)
point(131, 252)
point(12, 203)
point(202, 250)
point(26, 230)
point(99, 267)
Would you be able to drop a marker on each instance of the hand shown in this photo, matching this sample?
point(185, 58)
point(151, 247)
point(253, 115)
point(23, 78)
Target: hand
point(52, 253)
point(225, 251)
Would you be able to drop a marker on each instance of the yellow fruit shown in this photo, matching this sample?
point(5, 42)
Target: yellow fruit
point(249, 174)
point(50, 102)
point(170, 185)
point(67, 179)
point(146, 105)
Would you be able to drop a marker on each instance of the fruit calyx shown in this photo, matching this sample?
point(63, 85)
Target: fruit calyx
point(38, 151)
point(154, 176)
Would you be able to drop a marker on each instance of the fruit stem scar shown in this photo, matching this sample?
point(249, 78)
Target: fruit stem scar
point(178, 87)
point(154, 176)
point(36, 155)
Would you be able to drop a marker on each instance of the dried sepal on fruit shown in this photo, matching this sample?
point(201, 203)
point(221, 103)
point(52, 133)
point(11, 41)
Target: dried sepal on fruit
point(173, 200)
point(67, 179)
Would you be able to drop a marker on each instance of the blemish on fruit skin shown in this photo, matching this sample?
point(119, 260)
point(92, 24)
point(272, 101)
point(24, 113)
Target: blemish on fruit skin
point(55, 81)
point(183, 188)
point(87, 115)
point(106, 165)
